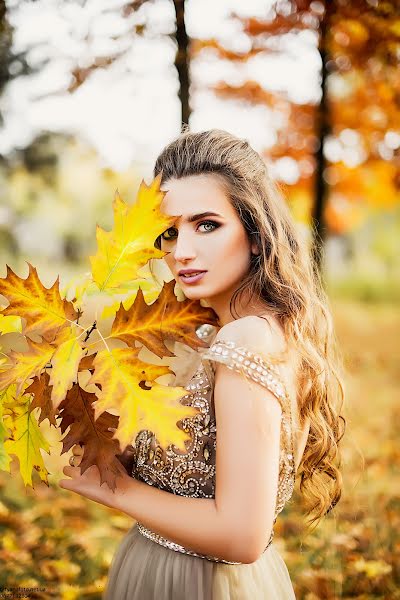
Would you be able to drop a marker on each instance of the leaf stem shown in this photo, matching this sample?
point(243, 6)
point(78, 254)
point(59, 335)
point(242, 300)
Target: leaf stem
point(97, 341)
point(77, 324)
point(89, 331)
point(104, 340)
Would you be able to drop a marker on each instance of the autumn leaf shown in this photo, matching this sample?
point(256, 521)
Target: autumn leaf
point(151, 282)
point(25, 365)
point(77, 287)
point(150, 293)
point(5, 396)
point(64, 370)
point(60, 570)
point(100, 448)
point(165, 318)
point(3, 357)
point(372, 568)
point(10, 324)
point(26, 440)
point(120, 374)
point(86, 363)
point(41, 390)
point(130, 245)
point(43, 309)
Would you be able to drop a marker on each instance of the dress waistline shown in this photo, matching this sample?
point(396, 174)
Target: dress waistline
point(155, 537)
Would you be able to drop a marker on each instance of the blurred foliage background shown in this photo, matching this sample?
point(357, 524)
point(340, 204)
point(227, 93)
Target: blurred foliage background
point(90, 91)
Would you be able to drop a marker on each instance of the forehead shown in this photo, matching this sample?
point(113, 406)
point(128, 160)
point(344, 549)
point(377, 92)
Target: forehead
point(195, 194)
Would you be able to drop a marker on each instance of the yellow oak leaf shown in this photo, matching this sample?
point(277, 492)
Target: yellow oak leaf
point(43, 309)
point(25, 365)
point(3, 357)
point(26, 439)
point(64, 362)
point(5, 396)
point(123, 379)
point(10, 324)
point(150, 293)
point(130, 245)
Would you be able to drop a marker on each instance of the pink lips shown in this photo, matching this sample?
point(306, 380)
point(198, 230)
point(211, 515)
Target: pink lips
point(191, 278)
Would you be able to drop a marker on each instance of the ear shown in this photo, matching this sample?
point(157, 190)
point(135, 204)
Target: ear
point(255, 249)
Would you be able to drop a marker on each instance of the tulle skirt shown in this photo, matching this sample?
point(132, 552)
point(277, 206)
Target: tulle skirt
point(144, 570)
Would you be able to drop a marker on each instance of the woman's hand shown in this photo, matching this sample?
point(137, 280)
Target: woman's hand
point(88, 483)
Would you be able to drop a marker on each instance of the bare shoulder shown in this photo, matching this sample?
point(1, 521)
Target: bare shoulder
point(256, 333)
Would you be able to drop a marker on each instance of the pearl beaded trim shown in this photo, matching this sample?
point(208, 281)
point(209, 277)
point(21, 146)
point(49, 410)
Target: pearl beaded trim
point(268, 375)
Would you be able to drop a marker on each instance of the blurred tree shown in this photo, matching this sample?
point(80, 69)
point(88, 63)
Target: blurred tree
point(182, 59)
point(349, 141)
point(41, 156)
point(12, 64)
point(179, 36)
point(44, 215)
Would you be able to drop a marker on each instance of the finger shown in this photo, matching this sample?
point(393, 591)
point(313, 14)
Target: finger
point(70, 471)
point(77, 450)
point(77, 460)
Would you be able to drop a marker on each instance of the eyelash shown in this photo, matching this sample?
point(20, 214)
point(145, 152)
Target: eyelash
point(216, 225)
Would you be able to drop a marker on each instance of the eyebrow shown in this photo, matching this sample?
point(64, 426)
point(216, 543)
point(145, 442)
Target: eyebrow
point(192, 218)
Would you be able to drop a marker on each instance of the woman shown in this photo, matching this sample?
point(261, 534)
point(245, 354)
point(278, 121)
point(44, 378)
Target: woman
point(267, 388)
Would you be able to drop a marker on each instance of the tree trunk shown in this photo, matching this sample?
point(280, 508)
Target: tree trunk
point(182, 59)
point(322, 130)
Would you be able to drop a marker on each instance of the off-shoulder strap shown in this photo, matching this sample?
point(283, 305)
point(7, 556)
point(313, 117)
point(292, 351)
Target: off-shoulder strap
point(242, 359)
point(265, 371)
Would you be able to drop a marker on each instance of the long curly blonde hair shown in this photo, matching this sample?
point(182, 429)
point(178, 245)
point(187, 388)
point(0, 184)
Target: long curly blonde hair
point(285, 277)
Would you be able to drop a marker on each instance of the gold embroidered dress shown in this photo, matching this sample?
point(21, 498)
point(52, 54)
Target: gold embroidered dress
point(147, 566)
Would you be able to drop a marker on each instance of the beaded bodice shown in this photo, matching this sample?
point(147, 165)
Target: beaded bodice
point(192, 474)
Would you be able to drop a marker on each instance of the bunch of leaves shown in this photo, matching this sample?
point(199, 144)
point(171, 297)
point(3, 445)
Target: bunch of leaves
point(91, 392)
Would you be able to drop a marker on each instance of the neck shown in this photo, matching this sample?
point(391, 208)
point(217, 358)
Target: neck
point(243, 307)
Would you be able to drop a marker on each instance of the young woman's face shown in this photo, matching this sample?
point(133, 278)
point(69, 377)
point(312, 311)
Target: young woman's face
point(216, 244)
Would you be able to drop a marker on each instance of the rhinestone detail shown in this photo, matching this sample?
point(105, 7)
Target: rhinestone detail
point(155, 537)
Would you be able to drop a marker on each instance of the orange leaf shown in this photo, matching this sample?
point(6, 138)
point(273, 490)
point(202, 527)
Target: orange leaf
point(164, 318)
point(26, 364)
point(86, 363)
point(43, 309)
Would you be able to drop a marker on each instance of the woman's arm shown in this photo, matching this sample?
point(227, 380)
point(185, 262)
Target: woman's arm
point(236, 526)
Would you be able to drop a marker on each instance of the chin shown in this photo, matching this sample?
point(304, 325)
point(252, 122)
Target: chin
point(193, 294)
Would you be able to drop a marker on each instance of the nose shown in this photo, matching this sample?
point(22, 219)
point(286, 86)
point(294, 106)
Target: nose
point(183, 249)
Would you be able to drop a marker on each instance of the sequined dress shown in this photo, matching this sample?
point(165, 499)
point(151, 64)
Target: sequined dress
point(147, 566)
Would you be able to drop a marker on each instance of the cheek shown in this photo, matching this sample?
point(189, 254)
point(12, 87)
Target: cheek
point(233, 251)
point(234, 246)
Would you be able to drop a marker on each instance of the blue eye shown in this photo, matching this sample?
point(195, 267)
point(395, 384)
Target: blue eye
point(212, 223)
